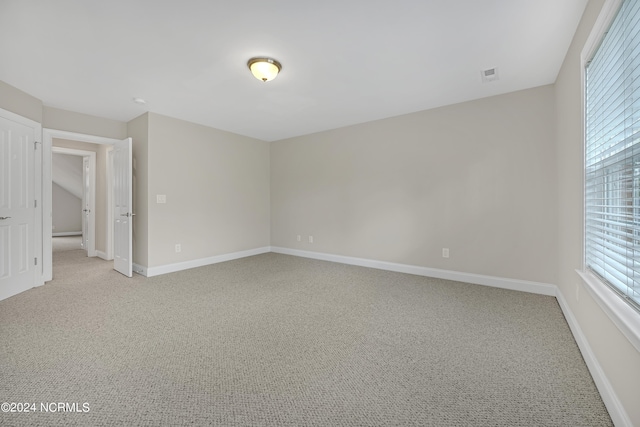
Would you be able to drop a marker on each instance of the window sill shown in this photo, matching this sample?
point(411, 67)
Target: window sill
point(624, 316)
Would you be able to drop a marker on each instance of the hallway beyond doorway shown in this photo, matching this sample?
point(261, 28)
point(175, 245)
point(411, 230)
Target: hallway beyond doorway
point(66, 243)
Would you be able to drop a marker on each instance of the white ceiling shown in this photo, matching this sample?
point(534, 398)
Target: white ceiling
point(344, 61)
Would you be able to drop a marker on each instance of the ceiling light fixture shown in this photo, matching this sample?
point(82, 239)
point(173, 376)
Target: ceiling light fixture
point(264, 69)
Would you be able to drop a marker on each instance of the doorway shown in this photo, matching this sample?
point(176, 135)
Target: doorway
point(104, 204)
point(73, 177)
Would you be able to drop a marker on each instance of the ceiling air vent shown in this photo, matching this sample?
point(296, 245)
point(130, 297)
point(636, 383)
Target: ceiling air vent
point(489, 75)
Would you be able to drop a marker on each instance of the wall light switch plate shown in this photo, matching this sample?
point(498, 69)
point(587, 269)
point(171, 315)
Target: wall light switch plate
point(161, 198)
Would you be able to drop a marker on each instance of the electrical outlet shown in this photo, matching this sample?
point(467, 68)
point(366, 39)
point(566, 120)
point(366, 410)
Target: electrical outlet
point(299, 238)
point(178, 248)
point(445, 252)
point(310, 239)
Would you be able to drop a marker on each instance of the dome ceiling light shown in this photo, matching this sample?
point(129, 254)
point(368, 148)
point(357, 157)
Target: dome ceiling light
point(264, 69)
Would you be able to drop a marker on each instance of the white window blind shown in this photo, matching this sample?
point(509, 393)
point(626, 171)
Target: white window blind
point(612, 156)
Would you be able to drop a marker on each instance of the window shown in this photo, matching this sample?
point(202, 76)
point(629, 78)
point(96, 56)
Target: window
point(612, 156)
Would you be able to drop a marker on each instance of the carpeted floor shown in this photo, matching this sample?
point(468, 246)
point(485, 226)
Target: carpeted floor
point(66, 243)
point(275, 340)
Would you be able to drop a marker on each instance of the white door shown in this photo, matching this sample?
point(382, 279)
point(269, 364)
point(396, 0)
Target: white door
point(86, 206)
point(17, 208)
point(123, 208)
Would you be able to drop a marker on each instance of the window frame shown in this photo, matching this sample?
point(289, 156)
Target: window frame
point(625, 317)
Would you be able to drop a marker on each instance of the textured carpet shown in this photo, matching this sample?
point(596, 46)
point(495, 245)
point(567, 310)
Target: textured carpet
point(275, 340)
point(66, 243)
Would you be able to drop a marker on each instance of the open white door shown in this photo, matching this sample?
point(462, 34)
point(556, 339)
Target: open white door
point(122, 208)
point(17, 208)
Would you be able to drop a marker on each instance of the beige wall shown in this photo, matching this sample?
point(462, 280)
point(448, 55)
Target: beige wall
point(19, 102)
point(217, 188)
point(477, 178)
point(101, 185)
point(138, 130)
point(617, 357)
point(55, 118)
point(66, 211)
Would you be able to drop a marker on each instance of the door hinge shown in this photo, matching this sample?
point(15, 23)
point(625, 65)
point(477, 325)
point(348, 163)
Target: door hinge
point(35, 203)
point(35, 261)
point(35, 144)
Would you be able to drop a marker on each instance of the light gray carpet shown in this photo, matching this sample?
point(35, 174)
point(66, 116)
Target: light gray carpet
point(275, 340)
point(66, 243)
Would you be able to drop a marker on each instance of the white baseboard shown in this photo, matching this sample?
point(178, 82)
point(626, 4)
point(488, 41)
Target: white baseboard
point(170, 268)
point(67, 233)
point(497, 282)
point(478, 279)
point(103, 255)
point(140, 269)
point(609, 397)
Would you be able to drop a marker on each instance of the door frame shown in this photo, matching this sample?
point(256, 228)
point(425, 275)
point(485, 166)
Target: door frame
point(48, 135)
point(91, 228)
point(110, 166)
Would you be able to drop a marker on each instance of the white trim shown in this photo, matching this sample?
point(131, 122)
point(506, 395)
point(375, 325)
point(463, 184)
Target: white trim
point(621, 314)
point(170, 268)
point(102, 255)
point(109, 165)
point(67, 233)
point(72, 151)
point(603, 22)
point(47, 206)
point(139, 269)
point(477, 279)
point(609, 397)
point(75, 136)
